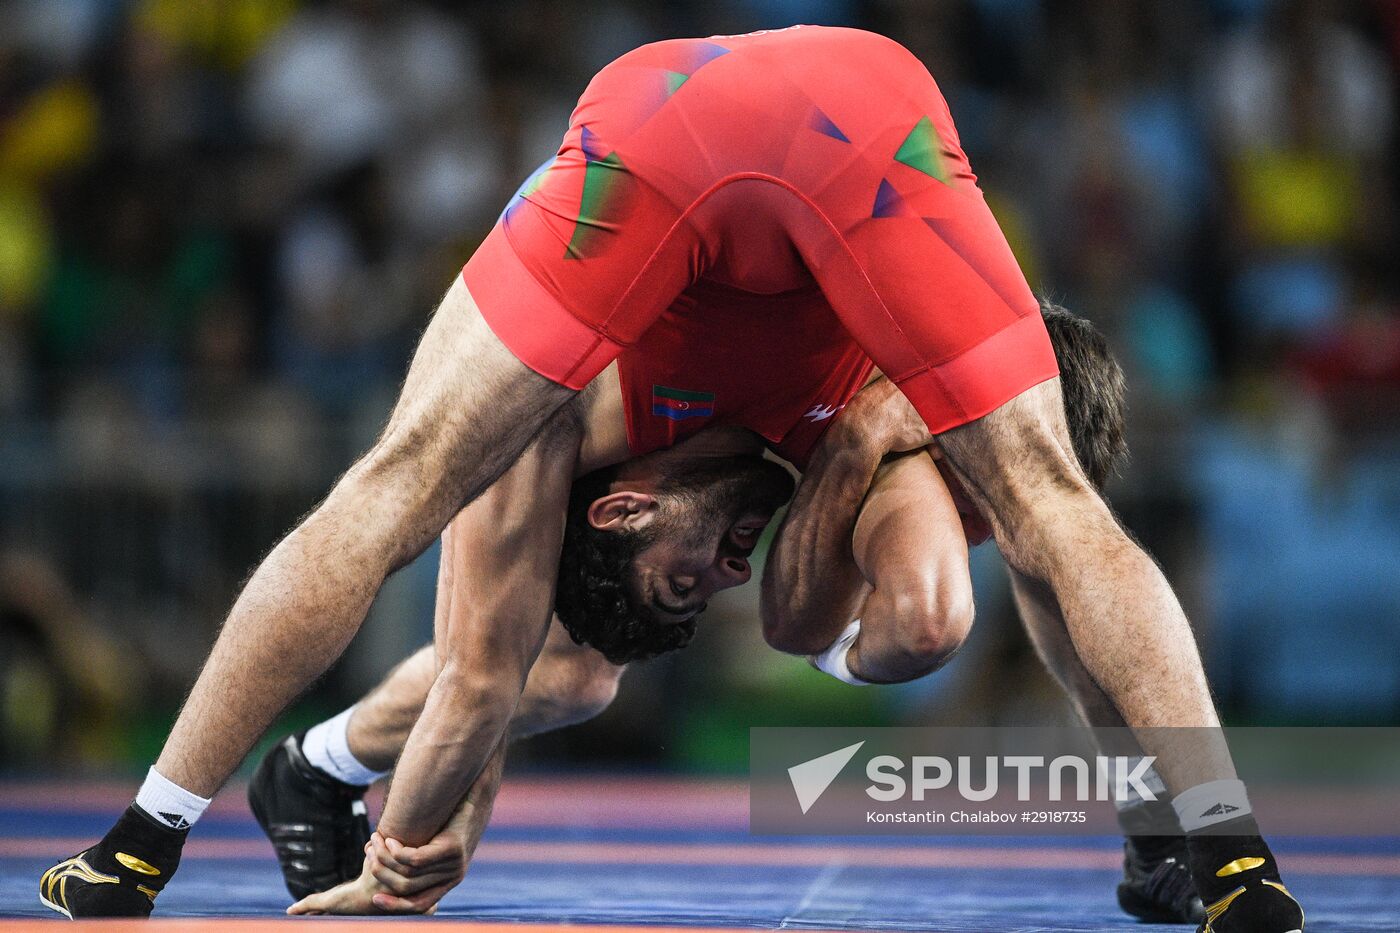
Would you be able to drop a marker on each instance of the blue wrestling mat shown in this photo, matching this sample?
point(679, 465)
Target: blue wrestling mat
point(675, 853)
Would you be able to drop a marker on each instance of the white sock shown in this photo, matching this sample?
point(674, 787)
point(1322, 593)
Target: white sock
point(1210, 803)
point(168, 802)
point(327, 747)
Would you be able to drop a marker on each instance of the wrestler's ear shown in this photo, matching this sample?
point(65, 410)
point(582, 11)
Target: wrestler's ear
point(622, 511)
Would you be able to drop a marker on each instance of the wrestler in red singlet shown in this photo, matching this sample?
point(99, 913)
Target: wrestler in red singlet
point(747, 221)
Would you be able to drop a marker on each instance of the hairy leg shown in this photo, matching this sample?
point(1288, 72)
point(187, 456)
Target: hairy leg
point(1123, 619)
point(1138, 658)
point(467, 410)
point(1045, 626)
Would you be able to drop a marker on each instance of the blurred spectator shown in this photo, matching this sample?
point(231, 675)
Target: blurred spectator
point(344, 83)
point(1304, 109)
point(65, 685)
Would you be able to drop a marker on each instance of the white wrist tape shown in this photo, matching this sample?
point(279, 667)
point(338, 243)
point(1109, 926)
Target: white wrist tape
point(833, 659)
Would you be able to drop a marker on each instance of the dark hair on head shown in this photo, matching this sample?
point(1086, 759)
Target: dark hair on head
point(591, 597)
point(1093, 388)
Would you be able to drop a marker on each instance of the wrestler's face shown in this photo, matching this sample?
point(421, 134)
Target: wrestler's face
point(639, 563)
point(675, 576)
point(709, 516)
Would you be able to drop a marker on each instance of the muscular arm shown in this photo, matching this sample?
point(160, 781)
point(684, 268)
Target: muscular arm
point(812, 586)
point(567, 683)
point(500, 563)
point(909, 544)
point(878, 541)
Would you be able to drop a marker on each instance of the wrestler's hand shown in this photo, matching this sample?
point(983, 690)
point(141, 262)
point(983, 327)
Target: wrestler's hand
point(417, 877)
point(880, 417)
point(354, 897)
point(366, 896)
point(396, 879)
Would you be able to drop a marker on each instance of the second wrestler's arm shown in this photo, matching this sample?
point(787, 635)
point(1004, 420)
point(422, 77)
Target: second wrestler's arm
point(812, 586)
point(489, 637)
point(909, 544)
point(499, 599)
point(882, 542)
point(568, 683)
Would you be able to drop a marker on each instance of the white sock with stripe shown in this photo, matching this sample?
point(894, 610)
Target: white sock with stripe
point(1210, 803)
point(169, 803)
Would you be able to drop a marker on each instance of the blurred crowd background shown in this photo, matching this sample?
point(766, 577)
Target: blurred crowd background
point(224, 222)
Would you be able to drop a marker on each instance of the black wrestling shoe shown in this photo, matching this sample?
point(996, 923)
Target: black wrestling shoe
point(1157, 885)
point(318, 825)
point(1257, 906)
point(118, 877)
point(1239, 881)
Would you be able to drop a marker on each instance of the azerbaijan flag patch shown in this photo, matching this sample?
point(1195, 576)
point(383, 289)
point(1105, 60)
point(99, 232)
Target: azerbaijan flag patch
point(679, 404)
